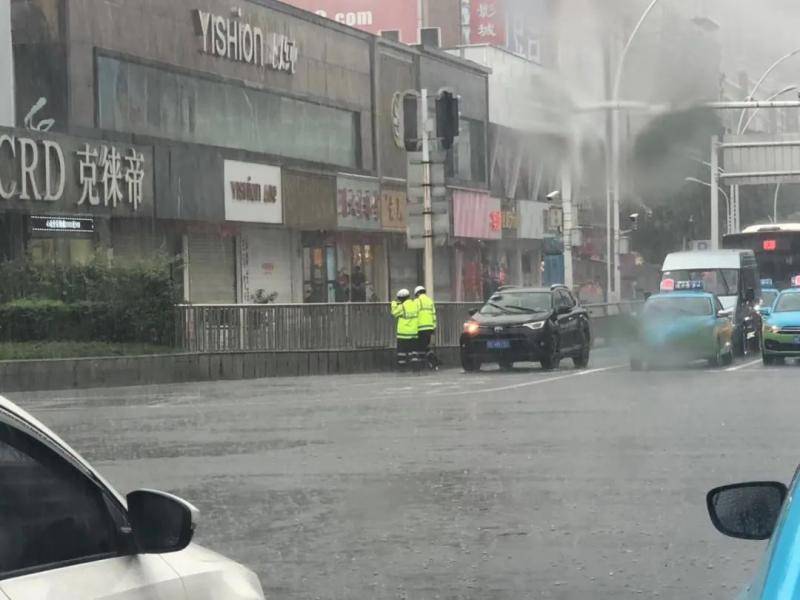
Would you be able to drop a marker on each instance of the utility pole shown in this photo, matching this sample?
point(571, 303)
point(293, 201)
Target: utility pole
point(566, 206)
point(7, 110)
point(427, 207)
point(715, 193)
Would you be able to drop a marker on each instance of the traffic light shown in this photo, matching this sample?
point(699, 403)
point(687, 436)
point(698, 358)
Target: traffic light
point(412, 121)
point(447, 118)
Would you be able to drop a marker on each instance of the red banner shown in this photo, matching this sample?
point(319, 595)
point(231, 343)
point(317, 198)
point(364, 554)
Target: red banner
point(487, 22)
point(373, 16)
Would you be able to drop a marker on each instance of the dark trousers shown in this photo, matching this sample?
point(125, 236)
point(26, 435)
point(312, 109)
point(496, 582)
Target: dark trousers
point(424, 341)
point(405, 352)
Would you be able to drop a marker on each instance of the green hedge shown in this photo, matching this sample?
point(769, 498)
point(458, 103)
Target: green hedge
point(100, 301)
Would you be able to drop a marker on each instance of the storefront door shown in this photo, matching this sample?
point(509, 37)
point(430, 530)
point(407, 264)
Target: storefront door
point(320, 283)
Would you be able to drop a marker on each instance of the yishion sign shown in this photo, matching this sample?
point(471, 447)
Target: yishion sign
point(239, 41)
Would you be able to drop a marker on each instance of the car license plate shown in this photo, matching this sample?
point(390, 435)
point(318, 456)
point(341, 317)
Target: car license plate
point(498, 344)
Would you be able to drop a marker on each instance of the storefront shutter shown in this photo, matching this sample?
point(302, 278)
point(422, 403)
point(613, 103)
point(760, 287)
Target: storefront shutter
point(212, 269)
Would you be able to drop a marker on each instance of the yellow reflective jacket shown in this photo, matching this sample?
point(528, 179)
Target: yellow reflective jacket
point(427, 313)
point(407, 315)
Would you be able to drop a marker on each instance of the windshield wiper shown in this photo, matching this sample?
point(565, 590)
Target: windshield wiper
point(497, 306)
point(526, 310)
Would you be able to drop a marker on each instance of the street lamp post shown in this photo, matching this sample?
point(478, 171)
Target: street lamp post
point(724, 195)
point(741, 128)
point(788, 88)
point(769, 70)
point(615, 157)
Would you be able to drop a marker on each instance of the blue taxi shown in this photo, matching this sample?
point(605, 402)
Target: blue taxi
point(683, 323)
point(781, 334)
point(759, 511)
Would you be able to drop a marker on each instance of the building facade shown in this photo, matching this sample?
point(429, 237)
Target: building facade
point(266, 139)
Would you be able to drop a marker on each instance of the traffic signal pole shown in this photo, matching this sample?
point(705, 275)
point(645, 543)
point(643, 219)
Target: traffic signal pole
point(427, 207)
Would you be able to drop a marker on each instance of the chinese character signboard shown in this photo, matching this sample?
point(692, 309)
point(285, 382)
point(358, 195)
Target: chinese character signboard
point(253, 193)
point(476, 215)
point(63, 174)
point(357, 203)
point(393, 209)
point(487, 22)
point(373, 16)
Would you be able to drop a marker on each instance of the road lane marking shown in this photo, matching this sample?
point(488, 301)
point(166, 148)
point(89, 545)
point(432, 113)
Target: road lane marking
point(529, 383)
point(744, 366)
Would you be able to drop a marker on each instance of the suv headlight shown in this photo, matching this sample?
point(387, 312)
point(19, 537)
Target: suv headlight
point(772, 328)
point(535, 326)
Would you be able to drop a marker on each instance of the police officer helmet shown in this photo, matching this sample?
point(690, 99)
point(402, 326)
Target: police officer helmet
point(402, 294)
point(419, 290)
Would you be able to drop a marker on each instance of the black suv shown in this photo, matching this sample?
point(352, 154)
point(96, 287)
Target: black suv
point(527, 324)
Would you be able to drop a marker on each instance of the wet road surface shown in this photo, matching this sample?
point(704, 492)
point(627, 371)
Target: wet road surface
point(566, 484)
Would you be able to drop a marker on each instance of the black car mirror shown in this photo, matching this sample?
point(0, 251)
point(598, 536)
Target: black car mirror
point(161, 522)
point(472, 311)
point(747, 511)
point(562, 310)
point(750, 295)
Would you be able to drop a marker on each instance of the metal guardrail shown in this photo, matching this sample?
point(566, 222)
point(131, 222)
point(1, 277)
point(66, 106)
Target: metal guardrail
point(299, 327)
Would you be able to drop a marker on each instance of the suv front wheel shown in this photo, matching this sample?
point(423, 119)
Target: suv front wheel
point(552, 359)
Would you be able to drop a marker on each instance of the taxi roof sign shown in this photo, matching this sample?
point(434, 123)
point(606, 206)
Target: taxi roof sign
point(795, 280)
point(670, 285)
point(694, 286)
point(767, 283)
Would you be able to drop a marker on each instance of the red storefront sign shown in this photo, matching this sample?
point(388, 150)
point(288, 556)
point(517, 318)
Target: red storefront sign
point(477, 215)
point(373, 16)
point(487, 22)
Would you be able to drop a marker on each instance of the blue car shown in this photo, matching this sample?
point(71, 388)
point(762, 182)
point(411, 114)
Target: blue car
point(760, 511)
point(781, 333)
point(683, 324)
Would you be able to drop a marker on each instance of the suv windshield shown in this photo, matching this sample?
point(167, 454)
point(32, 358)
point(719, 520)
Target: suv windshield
point(722, 282)
point(673, 307)
point(788, 302)
point(517, 302)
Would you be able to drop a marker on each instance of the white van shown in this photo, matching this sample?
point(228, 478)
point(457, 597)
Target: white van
point(730, 274)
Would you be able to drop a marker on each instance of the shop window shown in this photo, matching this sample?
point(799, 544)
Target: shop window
point(466, 162)
point(195, 109)
point(62, 251)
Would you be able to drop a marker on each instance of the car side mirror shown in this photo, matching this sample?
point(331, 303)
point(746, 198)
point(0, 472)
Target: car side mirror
point(725, 312)
point(765, 310)
point(472, 311)
point(750, 295)
point(747, 511)
point(161, 522)
point(562, 310)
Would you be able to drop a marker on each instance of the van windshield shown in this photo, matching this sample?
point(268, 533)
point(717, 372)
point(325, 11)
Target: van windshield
point(722, 282)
